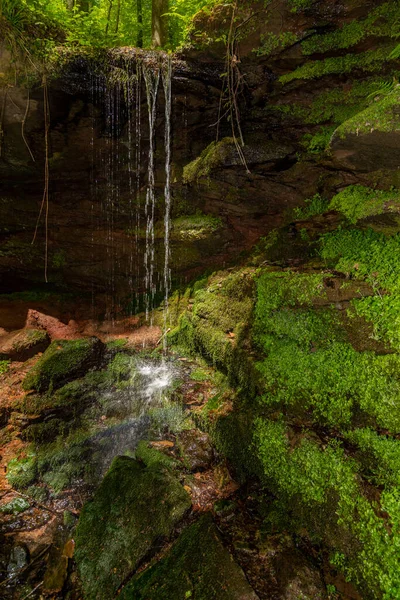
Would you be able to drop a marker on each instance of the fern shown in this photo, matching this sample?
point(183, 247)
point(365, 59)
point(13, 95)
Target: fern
point(385, 88)
point(395, 53)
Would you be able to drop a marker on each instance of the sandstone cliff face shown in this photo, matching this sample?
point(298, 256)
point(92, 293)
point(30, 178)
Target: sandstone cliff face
point(299, 80)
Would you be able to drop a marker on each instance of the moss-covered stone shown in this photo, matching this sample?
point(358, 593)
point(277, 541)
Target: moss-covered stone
point(358, 202)
point(63, 361)
point(23, 344)
point(134, 506)
point(216, 325)
point(211, 158)
point(198, 566)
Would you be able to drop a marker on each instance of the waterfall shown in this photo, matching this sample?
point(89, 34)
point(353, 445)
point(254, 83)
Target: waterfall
point(167, 83)
point(152, 81)
point(120, 93)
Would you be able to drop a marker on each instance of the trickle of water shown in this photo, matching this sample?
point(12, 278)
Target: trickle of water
point(167, 84)
point(152, 81)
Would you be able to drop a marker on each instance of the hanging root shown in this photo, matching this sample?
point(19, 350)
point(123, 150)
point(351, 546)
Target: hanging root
point(45, 200)
point(3, 112)
point(233, 82)
point(23, 126)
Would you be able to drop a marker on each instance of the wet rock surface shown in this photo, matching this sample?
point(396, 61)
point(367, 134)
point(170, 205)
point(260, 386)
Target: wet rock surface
point(197, 566)
point(196, 449)
point(134, 506)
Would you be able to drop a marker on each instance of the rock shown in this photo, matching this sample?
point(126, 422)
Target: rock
point(297, 577)
point(196, 450)
point(63, 361)
point(19, 558)
point(23, 344)
point(135, 506)
point(57, 567)
point(197, 566)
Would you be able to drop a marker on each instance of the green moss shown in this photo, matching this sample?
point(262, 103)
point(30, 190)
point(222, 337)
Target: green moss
point(364, 255)
point(197, 566)
point(370, 61)
point(116, 344)
point(318, 142)
point(309, 366)
point(66, 460)
point(22, 472)
point(63, 360)
point(336, 105)
point(133, 508)
point(379, 456)
point(15, 506)
point(271, 43)
point(211, 158)
point(321, 487)
point(216, 326)
point(4, 365)
point(194, 227)
point(381, 22)
point(358, 202)
point(299, 5)
point(200, 374)
point(382, 116)
point(153, 458)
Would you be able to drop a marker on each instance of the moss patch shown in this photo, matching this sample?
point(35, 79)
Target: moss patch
point(211, 158)
point(194, 227)
point(358, 202)
point(383, 115)
point(370, 61)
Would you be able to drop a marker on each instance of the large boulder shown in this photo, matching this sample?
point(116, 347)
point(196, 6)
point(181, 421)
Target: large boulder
point(63, 361)
point(135, 506)
point(197, 566)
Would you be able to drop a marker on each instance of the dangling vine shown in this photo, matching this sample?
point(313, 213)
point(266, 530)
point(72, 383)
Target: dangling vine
point(233, 83)
point(45, 200)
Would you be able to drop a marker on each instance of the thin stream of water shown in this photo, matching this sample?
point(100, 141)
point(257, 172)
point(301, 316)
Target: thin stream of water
point(167, 83)
point(152, 82)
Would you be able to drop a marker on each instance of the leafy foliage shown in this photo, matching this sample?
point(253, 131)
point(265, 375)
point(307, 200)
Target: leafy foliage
point(320, 484)
point(316, 205)
point(310, 367)
point(37, 25)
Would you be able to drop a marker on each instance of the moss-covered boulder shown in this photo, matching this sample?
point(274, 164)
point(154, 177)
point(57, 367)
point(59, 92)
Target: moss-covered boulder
point(23, 344)
point(63, 361)
point(135, 506)
point(198, 566)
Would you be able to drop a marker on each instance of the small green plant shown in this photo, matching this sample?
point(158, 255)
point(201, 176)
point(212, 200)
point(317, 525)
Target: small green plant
point(4, 366)
point(316, 205)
